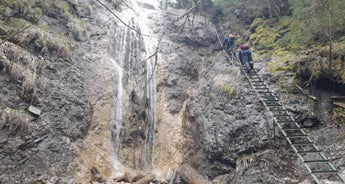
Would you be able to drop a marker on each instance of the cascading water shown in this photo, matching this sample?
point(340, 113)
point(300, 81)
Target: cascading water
point(116, 119)
point(135, 77)
point(123, 88)
point(151, 118)
point(150, 85)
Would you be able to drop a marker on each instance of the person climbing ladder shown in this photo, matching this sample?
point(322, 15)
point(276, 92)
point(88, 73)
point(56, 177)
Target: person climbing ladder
point(245, 56)
point(229, 43)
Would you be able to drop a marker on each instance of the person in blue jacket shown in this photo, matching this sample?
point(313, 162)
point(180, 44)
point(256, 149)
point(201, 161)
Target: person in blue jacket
point(245, 56)
point(229, 43)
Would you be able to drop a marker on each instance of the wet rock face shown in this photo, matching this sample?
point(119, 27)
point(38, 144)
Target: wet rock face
point(229, 126)
point(223, 119)
point(37, 153)
point(66, 99)
point(41, 147)
point(228, 134)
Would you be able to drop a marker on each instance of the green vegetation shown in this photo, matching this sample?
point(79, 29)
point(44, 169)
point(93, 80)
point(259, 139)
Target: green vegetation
point(282, 60)
point(303, 40)
point(244, 161)
point(294, 26)
point(14, 121)
point(228, 90)
point(25, 39)
point(339, 115)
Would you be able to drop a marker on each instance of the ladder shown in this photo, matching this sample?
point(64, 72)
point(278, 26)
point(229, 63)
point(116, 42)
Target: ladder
point(310, 155)
point(314, 159)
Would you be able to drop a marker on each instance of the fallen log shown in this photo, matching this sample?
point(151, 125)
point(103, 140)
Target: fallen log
point(146, 180)
point(304, 93)
point(338, 98)
point(339, 104)
point(191, 176)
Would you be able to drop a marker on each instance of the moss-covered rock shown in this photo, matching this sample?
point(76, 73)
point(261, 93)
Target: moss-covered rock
point(265, 36)
point(339, 115)
point(282, 61)
point(256, 23)
point(284, 44)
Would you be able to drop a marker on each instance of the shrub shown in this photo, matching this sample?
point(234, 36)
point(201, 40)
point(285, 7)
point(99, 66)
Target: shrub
point(55, 43)
point(338, 115)
point(78, 29)
point(282, 61)
point(18, 55)
point(228, 90)
point(14, 121)
point(22, 68)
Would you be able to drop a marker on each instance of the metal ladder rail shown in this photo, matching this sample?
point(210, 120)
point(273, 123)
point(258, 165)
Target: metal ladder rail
point(253, 81)
point(220, 38)
point(267, 95)
point(254, 84)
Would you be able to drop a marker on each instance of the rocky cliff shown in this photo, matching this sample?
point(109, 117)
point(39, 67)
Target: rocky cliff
point(132, 100)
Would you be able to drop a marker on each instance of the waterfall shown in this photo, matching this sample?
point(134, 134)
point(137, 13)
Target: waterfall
point(133, 121)
point(150, 47)
point(151, 118)
point(116, 119)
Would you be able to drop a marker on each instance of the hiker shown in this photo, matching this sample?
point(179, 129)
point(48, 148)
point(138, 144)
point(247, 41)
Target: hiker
point(229, 43)
point(245, 56)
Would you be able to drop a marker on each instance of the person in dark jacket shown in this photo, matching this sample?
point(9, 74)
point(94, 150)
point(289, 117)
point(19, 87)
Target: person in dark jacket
point(229, 43)
point(245, 56)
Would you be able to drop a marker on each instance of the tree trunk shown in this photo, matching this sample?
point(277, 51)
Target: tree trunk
point(330, 54)
point(269, 9)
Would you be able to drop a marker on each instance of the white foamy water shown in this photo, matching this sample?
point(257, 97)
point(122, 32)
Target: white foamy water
point(150, 47)
point(116, 120)
point(123, 50)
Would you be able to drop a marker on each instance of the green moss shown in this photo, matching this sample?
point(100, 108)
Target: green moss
point(337, 64)
point(282, 61)
point(44, 5)
point(342, 40)
point(256, 23)
point(10, 3)
point(230, 91)
point(294, 37)
point(18, 23)
point(287, 34)
point(285, 22)
point(245, 156)
point(62, 5)
point(37, 11)
point(339, 115)
point(264, 37)
point(338, 70)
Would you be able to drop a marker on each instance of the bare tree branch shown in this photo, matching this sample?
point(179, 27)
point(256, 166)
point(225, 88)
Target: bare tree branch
point(119, 18)
point(127, 5)
point(155, 54)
